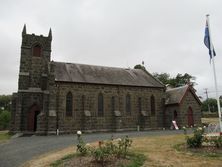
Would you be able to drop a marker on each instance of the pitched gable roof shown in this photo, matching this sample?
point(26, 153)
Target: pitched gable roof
point(176, 95)
point(82, 73)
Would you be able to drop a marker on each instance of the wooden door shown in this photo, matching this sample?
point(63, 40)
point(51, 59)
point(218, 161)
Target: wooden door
point(32, 118)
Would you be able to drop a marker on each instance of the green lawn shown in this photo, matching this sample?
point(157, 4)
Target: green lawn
point(160, 151)
point(4, 136)
point(210, 120)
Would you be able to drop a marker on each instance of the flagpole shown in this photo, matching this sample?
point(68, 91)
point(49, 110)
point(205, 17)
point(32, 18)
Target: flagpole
point(215, 77)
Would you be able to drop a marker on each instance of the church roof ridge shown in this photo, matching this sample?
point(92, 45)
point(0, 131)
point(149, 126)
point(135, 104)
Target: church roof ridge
point(94, 65)
point(84, 73)
point(177, 88)
point(176, 95)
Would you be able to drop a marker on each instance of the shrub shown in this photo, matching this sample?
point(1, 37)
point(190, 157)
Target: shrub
point(101, 153)
point(184, 130)
point(118, 148)
point(217, 141)
point(5, 118)
point(196, 140)
point(81, 146)
point(105, 150)
point(123, 146)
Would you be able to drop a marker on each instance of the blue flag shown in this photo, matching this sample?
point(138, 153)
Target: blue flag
point(207, 40)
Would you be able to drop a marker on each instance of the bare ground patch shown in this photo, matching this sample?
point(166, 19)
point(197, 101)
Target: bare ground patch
point(46, 159)
point(89, 162)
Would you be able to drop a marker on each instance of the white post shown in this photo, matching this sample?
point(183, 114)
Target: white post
point(215, 77)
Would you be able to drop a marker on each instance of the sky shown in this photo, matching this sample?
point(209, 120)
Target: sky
point(166, 35)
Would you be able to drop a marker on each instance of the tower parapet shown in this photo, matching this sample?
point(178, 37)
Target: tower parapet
point(35, 58)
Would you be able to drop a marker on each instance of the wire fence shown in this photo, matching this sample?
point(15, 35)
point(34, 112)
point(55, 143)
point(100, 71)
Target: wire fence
point(213, 128)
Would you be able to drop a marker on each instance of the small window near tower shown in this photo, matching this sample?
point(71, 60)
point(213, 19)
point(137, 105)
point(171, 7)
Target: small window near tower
point(37, 51)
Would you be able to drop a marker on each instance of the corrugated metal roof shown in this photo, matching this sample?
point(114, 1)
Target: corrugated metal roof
point(82, 73)
point(175, 95)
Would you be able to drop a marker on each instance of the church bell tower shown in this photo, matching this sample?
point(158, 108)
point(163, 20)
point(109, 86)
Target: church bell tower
point(30, 105)
point(35, 57)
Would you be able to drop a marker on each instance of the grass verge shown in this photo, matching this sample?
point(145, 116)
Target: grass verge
point(137, 160)
point(60, 161)
point(4, 135)
point(208, 152)
point(209, 120)
point(166, 151)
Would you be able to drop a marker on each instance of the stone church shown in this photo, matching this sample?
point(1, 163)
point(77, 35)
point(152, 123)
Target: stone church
point(56, 97)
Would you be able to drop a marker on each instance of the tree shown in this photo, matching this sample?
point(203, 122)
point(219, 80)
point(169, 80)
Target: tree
point(139, 66)
point(212, 105)
point(185, 79)
point(5, 115)
point(5, 118)
point(5, 102)
point(163, 77)
point(179, 80)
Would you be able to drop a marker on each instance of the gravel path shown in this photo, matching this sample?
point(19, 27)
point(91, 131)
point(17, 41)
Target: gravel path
point(19, 150)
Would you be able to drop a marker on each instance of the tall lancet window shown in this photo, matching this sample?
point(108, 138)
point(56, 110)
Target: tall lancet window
point(69, 104)
point(128, 104)
point(152, 105)
point(100, 105)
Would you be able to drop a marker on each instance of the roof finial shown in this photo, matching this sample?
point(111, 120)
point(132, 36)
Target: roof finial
point(24, 30)
point(50, 34)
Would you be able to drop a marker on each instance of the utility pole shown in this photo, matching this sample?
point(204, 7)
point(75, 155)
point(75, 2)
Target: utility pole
point(206, 92)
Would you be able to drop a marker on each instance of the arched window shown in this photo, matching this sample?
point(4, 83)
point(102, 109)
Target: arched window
point(174, 115)
point(100, 105)
point(128, 104)
point(139, 104)
point(152, 105)
point(36, 50)
point(69, 104)
point(112, 104)
point(83, 103)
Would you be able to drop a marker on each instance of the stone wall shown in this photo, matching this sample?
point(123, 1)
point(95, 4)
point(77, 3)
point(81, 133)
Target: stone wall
point(182, 111)
point(169, 115)
point(190, 101)
point(110, 121)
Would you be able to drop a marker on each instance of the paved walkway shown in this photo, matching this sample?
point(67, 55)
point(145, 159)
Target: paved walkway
point(19, 150)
